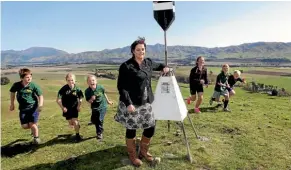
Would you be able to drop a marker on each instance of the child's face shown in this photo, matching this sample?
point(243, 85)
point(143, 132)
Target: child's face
point(201, 61)
point(225, 69)
point(70, 81)
point(236, 76)
point(92, 82)
point(27, 78)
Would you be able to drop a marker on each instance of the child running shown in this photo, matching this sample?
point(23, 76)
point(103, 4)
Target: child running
point(95, 95)
point(232, 79)
point(198, 78)
point(69, 99)
point(30, 99)
point(220, 88)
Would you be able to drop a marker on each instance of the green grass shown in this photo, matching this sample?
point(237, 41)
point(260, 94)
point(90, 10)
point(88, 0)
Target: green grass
point(255, 135)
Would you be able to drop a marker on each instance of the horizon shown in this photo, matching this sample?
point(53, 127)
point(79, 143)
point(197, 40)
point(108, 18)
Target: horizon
point(147, 45)
point(97, 26)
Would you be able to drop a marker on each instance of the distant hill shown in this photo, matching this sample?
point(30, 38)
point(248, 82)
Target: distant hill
point(30, 54)
point(258, 50)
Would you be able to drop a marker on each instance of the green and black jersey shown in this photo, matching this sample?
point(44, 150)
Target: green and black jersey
point(70, 96)
point(27, 96)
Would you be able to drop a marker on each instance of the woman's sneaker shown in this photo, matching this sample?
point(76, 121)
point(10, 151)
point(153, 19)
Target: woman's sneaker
point(226, 109)
point(197, 110)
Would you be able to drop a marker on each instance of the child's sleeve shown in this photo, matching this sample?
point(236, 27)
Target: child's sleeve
point(80, 94)
point(60, 93)
point(206, 76)
point(218, 79)
point(87, 95)
point(13, 88)
point(239, 79)
point(37, 90)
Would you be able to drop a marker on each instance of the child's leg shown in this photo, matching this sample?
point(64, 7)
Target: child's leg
point(76, 124)
point(34, 129)
point(199, 101)
point(226, 100)
point(193, 97)
point(231, 93)
point(95, 119)
point(70, 122)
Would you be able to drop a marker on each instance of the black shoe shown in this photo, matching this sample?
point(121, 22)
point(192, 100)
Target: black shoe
point(99, 136)
point(90, 123)
point(78, 138)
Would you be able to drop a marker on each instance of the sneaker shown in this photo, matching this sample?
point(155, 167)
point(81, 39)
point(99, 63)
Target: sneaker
point(36, 140)
point(197, 110)
point(210, 101)
point(226, 109)
point(99, 136)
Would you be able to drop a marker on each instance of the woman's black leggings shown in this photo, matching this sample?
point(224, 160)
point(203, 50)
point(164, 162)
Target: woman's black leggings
point(131, 133)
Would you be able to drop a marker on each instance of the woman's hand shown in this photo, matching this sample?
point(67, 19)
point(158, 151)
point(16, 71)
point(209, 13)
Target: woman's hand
point(130, 108)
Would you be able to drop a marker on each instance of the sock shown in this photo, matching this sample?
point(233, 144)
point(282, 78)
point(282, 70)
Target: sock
point(225, 103)
point(35, 137)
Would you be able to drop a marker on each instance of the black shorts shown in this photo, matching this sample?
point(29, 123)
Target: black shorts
point(197, 88)
point(71, 113)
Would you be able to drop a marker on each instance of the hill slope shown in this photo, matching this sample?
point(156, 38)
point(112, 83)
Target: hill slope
point(258, 50)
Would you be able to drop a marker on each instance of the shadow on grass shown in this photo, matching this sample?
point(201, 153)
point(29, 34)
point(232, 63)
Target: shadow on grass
point(14, 148)
point(206, 109)
point(103, 159)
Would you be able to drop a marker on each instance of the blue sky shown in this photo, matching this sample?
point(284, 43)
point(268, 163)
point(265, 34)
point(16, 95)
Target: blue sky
point(93, 26)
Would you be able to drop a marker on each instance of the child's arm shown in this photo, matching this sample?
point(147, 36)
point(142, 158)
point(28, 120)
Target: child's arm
point(80, 97)
point(206, 78)
point(12, 98)
point(38, 93)
point(89, 98)
point(59, 100)
point(40, 104)
point(108, 101)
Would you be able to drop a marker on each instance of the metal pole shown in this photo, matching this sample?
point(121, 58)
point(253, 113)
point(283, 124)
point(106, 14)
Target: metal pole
point(187, 144)
point(166, 63)
point(192, 126)
point(166, 52)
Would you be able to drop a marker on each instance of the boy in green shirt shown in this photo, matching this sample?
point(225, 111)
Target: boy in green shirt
point(95, 95)
point(30, 99)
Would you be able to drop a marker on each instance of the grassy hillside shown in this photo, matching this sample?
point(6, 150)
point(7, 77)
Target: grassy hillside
point(255, 135)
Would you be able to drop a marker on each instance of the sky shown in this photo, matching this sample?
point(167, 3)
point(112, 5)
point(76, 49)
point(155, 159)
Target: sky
point(93, 26)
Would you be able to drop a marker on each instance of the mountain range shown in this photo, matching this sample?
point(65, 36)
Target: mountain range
point(257, 50)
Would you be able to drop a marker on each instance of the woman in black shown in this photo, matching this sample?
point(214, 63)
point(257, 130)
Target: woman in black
point(198, 78)
point(136, 96)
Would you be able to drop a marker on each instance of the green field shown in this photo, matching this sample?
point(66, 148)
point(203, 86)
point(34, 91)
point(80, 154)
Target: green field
point(255, 135)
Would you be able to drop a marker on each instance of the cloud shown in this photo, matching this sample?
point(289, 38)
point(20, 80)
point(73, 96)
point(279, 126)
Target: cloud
point(269, 23)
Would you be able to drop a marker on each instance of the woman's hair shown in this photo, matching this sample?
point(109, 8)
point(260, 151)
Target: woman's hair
point(71, 75)
point(224, 65)
point(140, 40)
point(23, 72)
